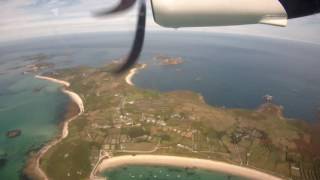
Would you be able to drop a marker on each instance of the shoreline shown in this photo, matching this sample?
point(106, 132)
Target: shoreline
point(182, 162)
point(132, 72)
point(58, 81)
point(33, 168)
point(73, 96)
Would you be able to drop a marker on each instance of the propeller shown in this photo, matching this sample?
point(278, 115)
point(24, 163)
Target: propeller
point(300, 8)
point(122, 6)
point(172, 13)
point(139, 34)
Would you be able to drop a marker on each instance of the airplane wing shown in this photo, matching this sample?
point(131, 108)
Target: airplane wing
point(191, 13)
point(197, 13)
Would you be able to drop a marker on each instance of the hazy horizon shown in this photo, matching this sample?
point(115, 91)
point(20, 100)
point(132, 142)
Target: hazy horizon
point(23, 19)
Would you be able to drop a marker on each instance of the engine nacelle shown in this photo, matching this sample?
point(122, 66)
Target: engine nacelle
point(200, 13)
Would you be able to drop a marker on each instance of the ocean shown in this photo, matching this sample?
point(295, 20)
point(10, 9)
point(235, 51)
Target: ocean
point(36, 114)
point(228, 70)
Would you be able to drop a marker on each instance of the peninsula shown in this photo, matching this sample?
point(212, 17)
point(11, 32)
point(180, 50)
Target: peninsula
point(122, 124)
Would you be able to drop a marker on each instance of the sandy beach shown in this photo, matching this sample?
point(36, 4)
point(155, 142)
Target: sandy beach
point(184, 162)
point(64, 83)
point(132, 72)
point(37, 171)
point(76, 98)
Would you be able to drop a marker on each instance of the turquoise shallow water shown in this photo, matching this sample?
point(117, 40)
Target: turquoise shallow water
point(35, 113)
point(164, 173)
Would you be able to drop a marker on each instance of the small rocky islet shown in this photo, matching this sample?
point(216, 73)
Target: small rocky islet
point(14, 133)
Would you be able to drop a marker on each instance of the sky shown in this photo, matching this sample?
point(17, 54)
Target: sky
point(23, 19)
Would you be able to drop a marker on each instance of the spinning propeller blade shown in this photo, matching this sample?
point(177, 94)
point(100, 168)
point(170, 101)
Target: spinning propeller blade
point(300, 8)
point(139, 35)
point(189, 13)
point(122, 6)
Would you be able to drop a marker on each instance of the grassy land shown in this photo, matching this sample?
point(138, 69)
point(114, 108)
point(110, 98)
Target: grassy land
point(120, 118)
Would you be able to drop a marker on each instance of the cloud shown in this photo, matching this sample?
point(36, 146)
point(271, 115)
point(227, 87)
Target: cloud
point(20, 19)
point(36, 18)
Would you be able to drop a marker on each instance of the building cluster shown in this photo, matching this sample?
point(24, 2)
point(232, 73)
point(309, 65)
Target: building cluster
point(246, 133)
point(114, 142)
point(126, 120)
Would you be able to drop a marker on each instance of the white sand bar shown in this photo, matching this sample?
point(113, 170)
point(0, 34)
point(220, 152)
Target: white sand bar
point(64, 83)
point(184, 162)
point(76, 98)
point(132, 72)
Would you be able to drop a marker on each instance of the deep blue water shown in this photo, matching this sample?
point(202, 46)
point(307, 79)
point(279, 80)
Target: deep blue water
point(228, 70)
point(236, 72)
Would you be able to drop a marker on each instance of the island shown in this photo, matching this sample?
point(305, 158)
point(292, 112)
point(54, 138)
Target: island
point(166, 60)
point(13, 133)
point(38, 66)
point(118, 123)
point(34, 64)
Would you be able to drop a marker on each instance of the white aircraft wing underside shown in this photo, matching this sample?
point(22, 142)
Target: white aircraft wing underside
point(198, 13)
